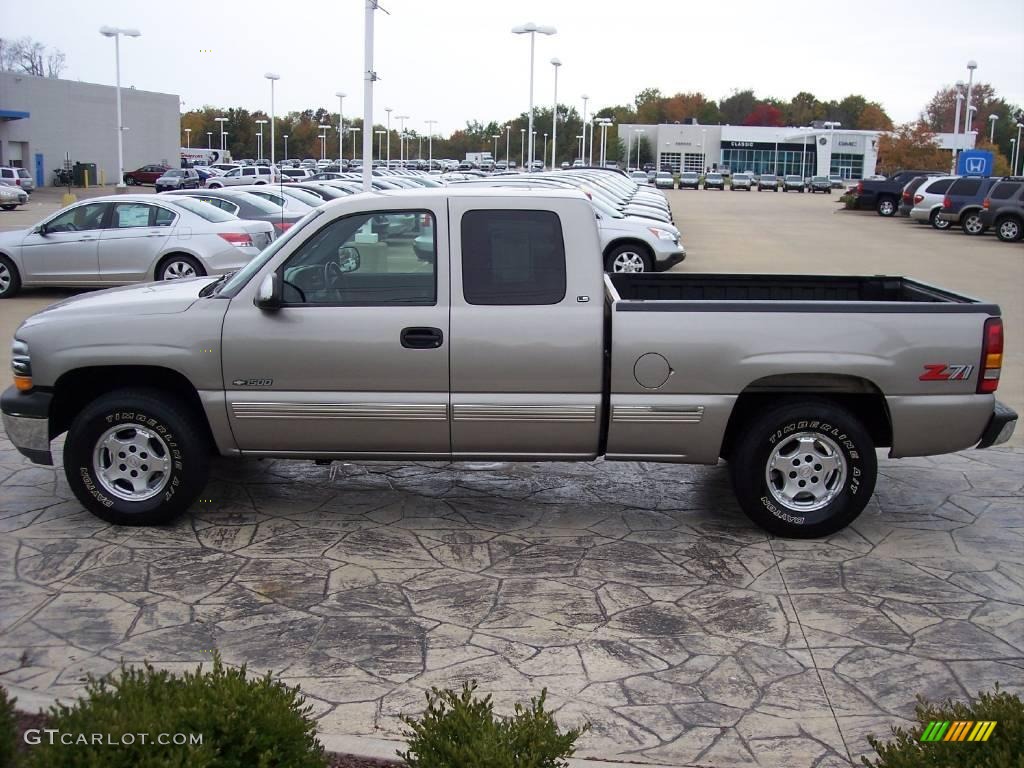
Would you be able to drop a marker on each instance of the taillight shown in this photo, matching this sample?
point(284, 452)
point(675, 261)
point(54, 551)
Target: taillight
point(238, 239)
point(947, 202)
point(918, 199)
point(18, 181)
point(860, 187)
point(991, 356)
point(985, 203)
point(906, 197)
point(283, 226)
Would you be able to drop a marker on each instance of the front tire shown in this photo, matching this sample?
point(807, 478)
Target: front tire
point(804, 469)
point(136, 457)
point(10, 280)
point(628, 258)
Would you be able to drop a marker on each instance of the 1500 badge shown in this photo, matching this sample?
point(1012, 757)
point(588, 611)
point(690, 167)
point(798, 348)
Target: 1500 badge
point(946, 372)
point(252, 383)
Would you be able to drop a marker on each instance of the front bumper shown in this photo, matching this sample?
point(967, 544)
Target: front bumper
point(26, 417)
point(1000, 426)
point(663, 261)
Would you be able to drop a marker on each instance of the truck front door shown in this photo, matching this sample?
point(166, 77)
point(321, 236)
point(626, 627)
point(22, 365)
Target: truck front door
point(355, 363)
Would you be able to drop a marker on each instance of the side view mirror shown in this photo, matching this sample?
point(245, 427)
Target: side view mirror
point(40, 230)
point(268, 297)
point(349, 259)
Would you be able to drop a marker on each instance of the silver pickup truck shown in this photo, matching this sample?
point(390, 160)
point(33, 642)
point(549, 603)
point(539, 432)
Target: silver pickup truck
point(505, 340)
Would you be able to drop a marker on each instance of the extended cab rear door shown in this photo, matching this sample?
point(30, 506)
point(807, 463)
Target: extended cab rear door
point(527, 313)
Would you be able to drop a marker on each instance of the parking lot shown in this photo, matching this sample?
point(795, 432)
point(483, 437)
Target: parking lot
point(637, 594)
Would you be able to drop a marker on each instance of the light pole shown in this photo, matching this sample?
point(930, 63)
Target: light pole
point(992, 131)
point(1014, 168)
point(116, 32)
point(323, 141)
point(209, 139)
point(533, 145)
point(508, 141)
point(430, 144)
point(545, 155)
point(272, 77)
point(583, 145)
point(590, 157)
point(495, 136)
point(579, 141)
point(803, 155)
point(285, 137)
point(522, 148)
point(956, 128)
point(971, 66)
point(532, 30)
point(388, 110)
point(259, 139)
point(703, 157)
point(639, 134)
point(380, 145)
point(556, 63)
point(776, 154)
point(188, 138)
point(831, 141)
point(401, 138)
point(341, 126)
point(354, 131)
point(1013, 156)
point(221, 120)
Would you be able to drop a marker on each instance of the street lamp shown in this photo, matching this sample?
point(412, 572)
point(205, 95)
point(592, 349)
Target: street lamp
point(971, 66)
point(992, 132)
point(401, 138)
point(353, 130)
point(388, 110)
point(116, 32)
point(323, 140)
point(508, 140)
point(703, 157)
point(1014, 168)
point(532, 30)
point(188, 138)
point(556, 63)
point(495, 136)
point(221, 120)
point(430, 144)
point(639, 133)
point(259, 137)
point(583, 144)
point(1013, 155)
point(209, 139)
point(956, 126)
point(605, 123)
point(831, 137)
point(285, 137)
point(380, 145)
point(545, 155)
point(341, 126)
point(522, 148)
point(272, 77)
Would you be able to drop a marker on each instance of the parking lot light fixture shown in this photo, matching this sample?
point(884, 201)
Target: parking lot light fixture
point(831, 125)
point(188, 138)
point(532, 30)
point(354, 130)
point(430, 144)
point(401, 138)
point(508, 141)
point(522, 148)
point(323, 140)
point(209, 139)
point(640, 133)
point(495, 136)
point(259, 139)
point(389, 110)
point(1013, 156)
point(545, 155)
point(223, 133)
point(583, 145)
point(272, 77)
point(992, 130)
point(341, 126)
point(1014, 168)
point(380, 145)
point(556, 63)
point(971, 66)
point(116, 32)
point(285, 137)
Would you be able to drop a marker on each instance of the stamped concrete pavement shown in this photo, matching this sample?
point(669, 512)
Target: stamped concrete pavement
point(637, 594)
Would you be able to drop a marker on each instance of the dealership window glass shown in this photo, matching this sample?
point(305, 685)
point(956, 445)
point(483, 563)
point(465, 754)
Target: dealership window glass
point(670, 161)
point(693, 161)
point(79, 218)
point(512, 258)
point(847, 166)
point(386, 258)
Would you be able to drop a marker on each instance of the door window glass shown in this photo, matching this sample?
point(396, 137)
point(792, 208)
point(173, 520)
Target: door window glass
point(370, 259)
point(79, 218)
point(130, 215)
point(512, 257)
point(162, 217)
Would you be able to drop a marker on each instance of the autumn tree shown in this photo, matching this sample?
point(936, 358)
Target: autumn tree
point(649, 106)
point(735, 108)
point(764, 114)
point(940, 114)
point(873, 118)
point(911, 145)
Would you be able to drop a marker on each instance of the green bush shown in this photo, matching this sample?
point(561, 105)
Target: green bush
point(461, 731)
point(244, 723)
point(8, 730)
point(1004, 748)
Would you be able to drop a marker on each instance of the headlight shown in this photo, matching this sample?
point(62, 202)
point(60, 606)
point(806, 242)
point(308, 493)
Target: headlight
point(21, 366)
point(662, 234)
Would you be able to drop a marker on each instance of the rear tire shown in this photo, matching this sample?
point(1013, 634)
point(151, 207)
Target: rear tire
point(972, 225)
point(163, 432)
point(833, 468)
point(939, 224)
point(179, 266)
point(8, 207)
point(10, 280)
point(1009, 230)
point(129, 180)
point(886, 207)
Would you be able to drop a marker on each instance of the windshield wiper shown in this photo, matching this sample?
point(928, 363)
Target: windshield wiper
point(214, 288)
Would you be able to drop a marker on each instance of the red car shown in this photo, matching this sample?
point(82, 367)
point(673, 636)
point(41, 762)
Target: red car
point(147, 174)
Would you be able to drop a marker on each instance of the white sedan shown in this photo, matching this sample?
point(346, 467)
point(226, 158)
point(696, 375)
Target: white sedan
point(119, 239)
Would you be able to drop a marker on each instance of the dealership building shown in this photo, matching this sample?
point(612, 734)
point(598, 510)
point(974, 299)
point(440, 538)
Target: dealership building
point(44, 120)
point(806, 151)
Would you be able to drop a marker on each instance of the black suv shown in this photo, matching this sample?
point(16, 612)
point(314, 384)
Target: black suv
point(962, 203)
point(1003, 209)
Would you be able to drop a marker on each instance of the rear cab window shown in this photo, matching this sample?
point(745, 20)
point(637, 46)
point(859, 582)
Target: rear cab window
point(204, 208)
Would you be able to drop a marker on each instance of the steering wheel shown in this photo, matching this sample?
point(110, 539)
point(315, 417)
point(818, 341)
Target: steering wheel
point(332, 274)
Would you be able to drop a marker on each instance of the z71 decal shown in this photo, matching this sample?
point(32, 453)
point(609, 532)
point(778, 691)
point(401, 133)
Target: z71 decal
point(946, 372)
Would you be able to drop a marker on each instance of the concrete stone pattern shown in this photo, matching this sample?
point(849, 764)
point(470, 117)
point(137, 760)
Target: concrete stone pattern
point(637, 594)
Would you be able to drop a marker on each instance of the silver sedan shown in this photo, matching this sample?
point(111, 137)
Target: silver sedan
point(119, 239)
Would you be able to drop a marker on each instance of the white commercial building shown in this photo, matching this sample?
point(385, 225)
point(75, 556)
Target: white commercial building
point(44, 119)
point(806, 151)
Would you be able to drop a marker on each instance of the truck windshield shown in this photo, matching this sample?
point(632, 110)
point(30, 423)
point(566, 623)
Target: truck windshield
point(242, 276)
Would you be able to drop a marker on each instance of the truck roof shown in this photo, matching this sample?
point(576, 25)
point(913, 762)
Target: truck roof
point(458, 191)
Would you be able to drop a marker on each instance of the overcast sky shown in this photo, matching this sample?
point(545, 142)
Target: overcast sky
point(456, 60)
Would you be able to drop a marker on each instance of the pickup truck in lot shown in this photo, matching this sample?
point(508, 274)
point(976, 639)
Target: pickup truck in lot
point(883, 195)
point(339, 342)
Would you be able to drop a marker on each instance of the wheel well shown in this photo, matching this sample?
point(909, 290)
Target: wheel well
point(640, 244)
point(859, 396)
point(1000, 217)
point(76, 389)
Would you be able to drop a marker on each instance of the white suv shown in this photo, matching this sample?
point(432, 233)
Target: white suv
point(928, 201)
point(17, 177)
point(246, 174)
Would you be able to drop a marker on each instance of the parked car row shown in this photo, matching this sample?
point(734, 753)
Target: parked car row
point(743, 182)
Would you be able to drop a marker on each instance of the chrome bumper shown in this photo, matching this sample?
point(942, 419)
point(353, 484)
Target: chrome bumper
point(26, 421)
point(1000, 427)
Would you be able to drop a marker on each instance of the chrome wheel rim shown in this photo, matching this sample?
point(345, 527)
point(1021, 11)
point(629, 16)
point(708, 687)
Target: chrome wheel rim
point(628, 261)
point(5, 278)
point(132, 463)
point(1008, 230)
point(176, 270)
point(887, 208)
point(805, 472)
point(973, 224)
